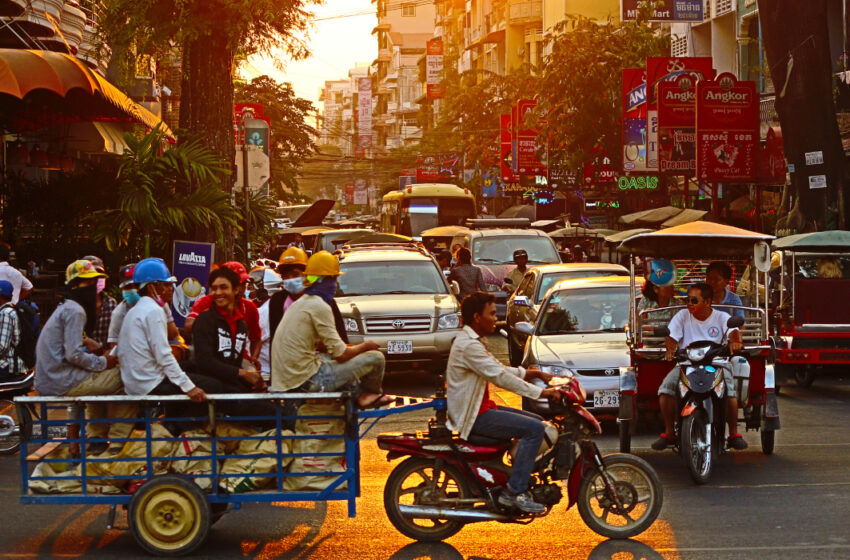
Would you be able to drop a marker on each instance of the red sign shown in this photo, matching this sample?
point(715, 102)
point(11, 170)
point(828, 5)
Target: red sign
point(599, 171)
point(727, 130)
point(349, 193)
point(528, 163)
point(677, 126)
point(506, 149)
point(772, 165)
point(434, 68)
point(437, 168)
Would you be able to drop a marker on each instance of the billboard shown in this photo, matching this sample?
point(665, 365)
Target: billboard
point(677, 126)
point(634, 119)
point(364, 113)
point(527, 161)
point(434, 68)
point(727, 130)
point(670, 10)
point(191, 266)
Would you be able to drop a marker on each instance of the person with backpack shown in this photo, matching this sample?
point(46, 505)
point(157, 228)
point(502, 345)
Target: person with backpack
point(11, 365)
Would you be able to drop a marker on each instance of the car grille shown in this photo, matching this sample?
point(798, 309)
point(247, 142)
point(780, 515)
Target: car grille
point(390, 325)
point(607, 372)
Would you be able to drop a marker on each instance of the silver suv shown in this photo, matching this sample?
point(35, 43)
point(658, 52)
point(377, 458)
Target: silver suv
point(397, 296)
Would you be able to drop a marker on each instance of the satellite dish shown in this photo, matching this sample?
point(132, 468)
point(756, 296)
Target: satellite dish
point(761, 256)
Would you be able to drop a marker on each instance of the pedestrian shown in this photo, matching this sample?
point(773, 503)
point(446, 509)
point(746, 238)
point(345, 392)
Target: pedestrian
point(20, 285)
point(468, 276)
point(11, 365)
point(105, 306)
point(65, 363)
point(309, 324)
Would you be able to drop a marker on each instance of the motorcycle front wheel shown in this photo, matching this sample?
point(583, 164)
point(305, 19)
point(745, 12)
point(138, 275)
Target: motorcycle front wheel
point(418, 481)
point(625, 504)
point(696, 446)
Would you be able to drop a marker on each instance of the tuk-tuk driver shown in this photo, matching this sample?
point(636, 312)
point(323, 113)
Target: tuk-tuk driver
point(698, 322)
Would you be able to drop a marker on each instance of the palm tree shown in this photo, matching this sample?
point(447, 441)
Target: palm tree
point(164, 194)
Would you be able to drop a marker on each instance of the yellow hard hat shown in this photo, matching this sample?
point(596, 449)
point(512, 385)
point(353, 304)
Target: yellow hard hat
point(322, 264)
point(82, 269)
point(293, 255)
point(775, 260)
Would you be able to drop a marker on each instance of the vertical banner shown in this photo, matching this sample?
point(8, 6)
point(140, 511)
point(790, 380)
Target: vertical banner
point(528, 163)
point(634, 120)
point(361, 193)
point(727, 129)
point(677, 126)
point(364, 113)
point(434, 68)
point(667, 69)
point(349, 193)
point(191, 266)
point(506, 139)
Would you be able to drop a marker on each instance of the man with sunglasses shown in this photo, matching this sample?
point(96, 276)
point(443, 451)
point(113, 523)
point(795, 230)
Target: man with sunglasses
point(698, 322)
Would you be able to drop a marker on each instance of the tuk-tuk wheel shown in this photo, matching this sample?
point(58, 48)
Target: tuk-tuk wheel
point(169, 516)
point(624, 427)
point(767, 441)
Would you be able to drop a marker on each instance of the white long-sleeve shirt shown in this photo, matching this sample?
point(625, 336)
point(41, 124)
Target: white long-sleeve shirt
point(144, 353)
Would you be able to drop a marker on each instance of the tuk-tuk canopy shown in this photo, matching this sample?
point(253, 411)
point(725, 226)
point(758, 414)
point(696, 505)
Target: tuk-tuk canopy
point(621, 236)
point(574, 231)
point(695, 240)
point(819, 241)
point(445, 231)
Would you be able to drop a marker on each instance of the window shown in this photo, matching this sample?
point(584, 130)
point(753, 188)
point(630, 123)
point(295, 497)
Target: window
point(408, 10)
point(586, 310)
point(391, 277)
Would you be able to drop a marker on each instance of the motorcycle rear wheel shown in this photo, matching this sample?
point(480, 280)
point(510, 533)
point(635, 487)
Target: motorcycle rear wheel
point(408, 485)
point(15, 426)
point(638, 490)
point(696, 451)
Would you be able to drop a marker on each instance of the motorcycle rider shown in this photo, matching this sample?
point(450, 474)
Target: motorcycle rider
point(470, 368)
point(698, 322)
point(516, 275)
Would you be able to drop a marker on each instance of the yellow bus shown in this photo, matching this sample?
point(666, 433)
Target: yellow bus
point(416, 208)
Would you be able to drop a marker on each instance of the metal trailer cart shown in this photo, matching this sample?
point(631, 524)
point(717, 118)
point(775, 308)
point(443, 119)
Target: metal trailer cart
point(170, 514)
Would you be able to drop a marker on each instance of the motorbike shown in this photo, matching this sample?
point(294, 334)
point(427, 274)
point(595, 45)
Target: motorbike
point(15, 421)
point(701, 422)
point(446, 482)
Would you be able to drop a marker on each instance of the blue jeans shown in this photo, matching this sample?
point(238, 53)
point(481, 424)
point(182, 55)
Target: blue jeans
point(367, 367)
point(509, 423)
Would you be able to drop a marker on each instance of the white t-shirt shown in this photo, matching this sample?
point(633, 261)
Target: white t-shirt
point(265, 355)
point(14, 277)
point(685, 328)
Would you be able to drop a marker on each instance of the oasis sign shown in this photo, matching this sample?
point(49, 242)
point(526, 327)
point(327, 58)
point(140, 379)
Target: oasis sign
point(637, 183)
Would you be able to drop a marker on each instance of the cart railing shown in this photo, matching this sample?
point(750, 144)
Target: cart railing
point(753, 331)
point(325, 445)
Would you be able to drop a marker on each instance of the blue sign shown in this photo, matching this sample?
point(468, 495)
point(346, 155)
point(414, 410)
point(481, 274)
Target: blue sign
point(490, 185)
point(192, 264)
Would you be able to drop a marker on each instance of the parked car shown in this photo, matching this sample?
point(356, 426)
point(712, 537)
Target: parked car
point(524, 303)
point(581, 330)
point(399, 297)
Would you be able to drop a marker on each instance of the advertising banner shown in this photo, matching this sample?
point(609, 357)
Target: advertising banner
point(364, 113)
point(434, 68)
point(437, 168)
point(727, 130)
point(671, 10)
point(506, 138)
point(406, 177)
point(191, 266)
point(677, 126)
point(772, 165)
point(634, 119)
point(528, 163)
point(667, 69)
point(490, 184)
point(349, 193)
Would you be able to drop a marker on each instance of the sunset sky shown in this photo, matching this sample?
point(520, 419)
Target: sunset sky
point(337, 44)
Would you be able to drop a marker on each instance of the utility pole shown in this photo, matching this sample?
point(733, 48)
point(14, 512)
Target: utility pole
point(245, 116)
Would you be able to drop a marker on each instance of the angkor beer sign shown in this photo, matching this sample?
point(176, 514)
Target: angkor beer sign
point(634, 119)
point(727, 130)
point(677, 126)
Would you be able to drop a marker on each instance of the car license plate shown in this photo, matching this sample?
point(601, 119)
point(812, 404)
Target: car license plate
point(606, 399)
point(399, 347)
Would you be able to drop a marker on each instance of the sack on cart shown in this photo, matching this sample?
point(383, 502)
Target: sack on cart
point(162, 450)
point(252, 461)
point(307, 426)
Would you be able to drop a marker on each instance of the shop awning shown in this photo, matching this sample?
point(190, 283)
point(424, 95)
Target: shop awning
point(34, 74)
point(96, 137)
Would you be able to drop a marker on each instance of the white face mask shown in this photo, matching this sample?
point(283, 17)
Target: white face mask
point(294, 286)
point(101, 284)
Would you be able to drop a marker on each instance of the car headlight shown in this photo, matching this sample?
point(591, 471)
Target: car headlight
point(557, 370)
point(493, 287)
point(698, 353)
point(351, 325)
point(450, 321)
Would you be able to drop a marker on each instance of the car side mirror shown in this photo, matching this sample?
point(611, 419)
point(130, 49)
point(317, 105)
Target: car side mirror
point(735, 322)
point(521, 301)
point(455, 287)
point(663, 330)
point(524, 328)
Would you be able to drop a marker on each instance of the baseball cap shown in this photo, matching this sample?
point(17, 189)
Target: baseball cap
point(6, 289)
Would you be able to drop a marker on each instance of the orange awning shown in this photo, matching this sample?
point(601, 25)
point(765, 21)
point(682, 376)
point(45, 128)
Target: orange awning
point(23, 72)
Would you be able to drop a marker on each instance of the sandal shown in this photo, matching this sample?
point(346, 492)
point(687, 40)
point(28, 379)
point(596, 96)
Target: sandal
point(736, 442)
point(381, 400)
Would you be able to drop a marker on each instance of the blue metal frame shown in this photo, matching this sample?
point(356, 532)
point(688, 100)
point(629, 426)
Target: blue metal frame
point(351, 436)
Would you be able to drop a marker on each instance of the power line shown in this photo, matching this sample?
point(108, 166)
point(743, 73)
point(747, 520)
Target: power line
point(370, 11)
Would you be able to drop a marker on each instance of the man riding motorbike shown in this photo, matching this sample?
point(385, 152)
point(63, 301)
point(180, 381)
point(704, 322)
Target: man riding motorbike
point(471, 411)
point(698, 322)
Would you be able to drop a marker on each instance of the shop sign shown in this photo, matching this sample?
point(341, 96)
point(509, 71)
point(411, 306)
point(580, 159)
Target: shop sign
point(599, 171)
point(636, 183)
point(671, 10)
point(634, 119)
point(437, 168)
point(527, 161)
point(817, 182)
point(677, 126)
point(434, 68)
point(771, 168)
point(349, 193)
point(727, 130)
point(364, 113)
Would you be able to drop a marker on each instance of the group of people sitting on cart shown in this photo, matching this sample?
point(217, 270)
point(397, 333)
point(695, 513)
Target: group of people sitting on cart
point(310, 350)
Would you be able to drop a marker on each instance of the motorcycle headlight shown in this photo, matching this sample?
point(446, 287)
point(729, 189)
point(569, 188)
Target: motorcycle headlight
point(351, 325)
point(450, 321)
point(698, 353)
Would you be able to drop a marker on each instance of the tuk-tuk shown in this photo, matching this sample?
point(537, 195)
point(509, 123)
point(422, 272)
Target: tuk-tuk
point(812, 304)
point(639, 383)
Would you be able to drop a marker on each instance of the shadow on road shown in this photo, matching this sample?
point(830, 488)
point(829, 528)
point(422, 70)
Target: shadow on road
point(606, 550)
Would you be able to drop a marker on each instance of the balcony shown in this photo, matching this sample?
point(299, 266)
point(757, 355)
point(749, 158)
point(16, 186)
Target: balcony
point(525, 12)
point(36, 20)
point(384, 55)
point(72, 23)
point(723, 7)
point(12, 8)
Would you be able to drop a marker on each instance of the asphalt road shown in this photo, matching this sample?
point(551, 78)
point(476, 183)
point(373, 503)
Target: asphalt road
point(792, 505)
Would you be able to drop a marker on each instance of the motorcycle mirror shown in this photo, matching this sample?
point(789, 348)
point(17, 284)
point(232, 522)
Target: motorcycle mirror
point(503, 332)
point(761, 256)
point(735, 322)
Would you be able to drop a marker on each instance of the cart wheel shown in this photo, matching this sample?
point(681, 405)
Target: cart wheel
point(624, 427)
point(768, 438)
point(169, 516)
point(804, 376)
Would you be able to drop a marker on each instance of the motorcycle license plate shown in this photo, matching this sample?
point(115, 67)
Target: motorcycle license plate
point(606, 399)
point(399, 347)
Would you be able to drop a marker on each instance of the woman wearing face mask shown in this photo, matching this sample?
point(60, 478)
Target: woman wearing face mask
point(130, 295)
point(104, 306)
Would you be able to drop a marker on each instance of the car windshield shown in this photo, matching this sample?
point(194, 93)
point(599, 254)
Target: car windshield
point(500, 249)
point(390, 277)
point(586, 310)
point(553, 278)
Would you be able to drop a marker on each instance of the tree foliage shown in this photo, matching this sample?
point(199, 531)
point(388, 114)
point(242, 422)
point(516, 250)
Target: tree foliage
point(292, 138)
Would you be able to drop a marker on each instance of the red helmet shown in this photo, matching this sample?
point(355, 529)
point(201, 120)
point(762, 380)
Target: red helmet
point(238, 268)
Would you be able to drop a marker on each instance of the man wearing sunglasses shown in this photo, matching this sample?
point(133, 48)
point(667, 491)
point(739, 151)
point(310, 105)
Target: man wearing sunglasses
point(698, 322)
